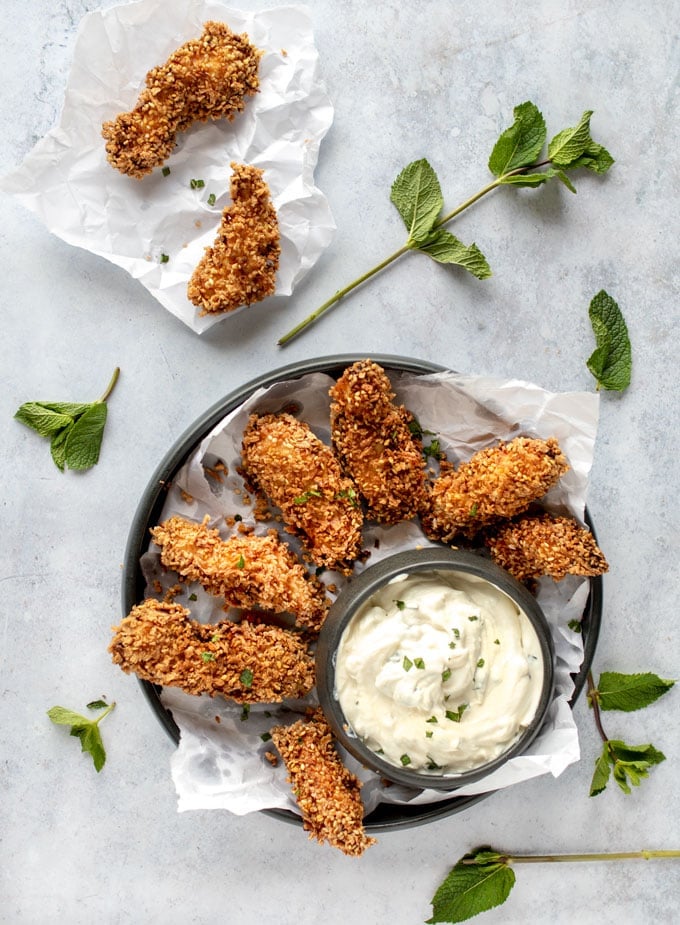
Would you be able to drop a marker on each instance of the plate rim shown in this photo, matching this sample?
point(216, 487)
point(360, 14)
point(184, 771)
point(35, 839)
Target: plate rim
point(383, 818)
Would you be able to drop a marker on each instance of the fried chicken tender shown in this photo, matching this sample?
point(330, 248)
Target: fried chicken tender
point(248, 663)
point(326, 792)
point(206, 78)
point(496, 483)
point(373, 440)
point(302, 477)
point(247, 570)
point(532, 546)
point(240, 267)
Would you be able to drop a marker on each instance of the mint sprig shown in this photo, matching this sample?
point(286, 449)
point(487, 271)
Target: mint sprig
point(627, 764)
point(75, 430)
point(611, 361)
point(515, 161)
point(483, 879)
point(87, 730)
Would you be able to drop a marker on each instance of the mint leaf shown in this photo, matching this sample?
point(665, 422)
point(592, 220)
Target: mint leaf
point(418, 197)
point(571, 143)
point(611, 361)
point(536, 179)
point(630, 692)
point(595, 157)
point(471, 888)
point(521, 143)
point(85, 439)
point(444, 247)
point(602, 772)
point(43, 420)
point(87, 730)
point(97, 705)
point(628, 764)
point(75, 428)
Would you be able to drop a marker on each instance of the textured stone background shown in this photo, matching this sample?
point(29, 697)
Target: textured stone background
point(408, 79)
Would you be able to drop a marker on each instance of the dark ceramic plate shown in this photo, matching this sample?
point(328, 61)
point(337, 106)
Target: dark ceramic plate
point(386, 816)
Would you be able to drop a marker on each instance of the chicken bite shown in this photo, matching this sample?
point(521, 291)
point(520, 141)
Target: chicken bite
point(326, 792)
point(240, 267)
point(247, 570)
point(532, 546)
point(159, 642)
point(376, 445)
point(496, 483)
point(206, 78)
point(302, 477)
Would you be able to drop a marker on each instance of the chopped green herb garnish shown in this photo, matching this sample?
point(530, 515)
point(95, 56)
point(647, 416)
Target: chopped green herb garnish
point(432, 719)
point(472, 619)
point(455, 716)
point(238, 518)
point(166, 171)
point(407, 663)
point(496, 642)
point(419, 663)
point(348, 494)
point(246, 677)
point(433, 450)
point(432, 764)
point(208, 656)
point(215, 638)
point(196, 184)
point(319, 570)
point(245, 712)
point(456, 632)
point(574, 626)
point(446, 673)
point(415, 428)
point(452, 645)
point(405, 760)
point(401, 605)
point(480, 663)
point(266, 736)
point(474, 509)
point(429, 733)
point(241, 562)
point(212, 199)
point(379, 751)
point(164, 258)
point(193, 597)
point(306, 495)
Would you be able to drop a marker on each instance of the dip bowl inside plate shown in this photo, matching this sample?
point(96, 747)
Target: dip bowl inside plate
point(434, 667)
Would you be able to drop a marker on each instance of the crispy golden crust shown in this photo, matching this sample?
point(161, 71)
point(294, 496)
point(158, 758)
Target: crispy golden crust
point(248, 663)
point(247, 570)
point(375, 445)
point(532, 546)
point(240, 267)
point(302, 477)
point(496, 483)
point(206, 78)
point(326, 792)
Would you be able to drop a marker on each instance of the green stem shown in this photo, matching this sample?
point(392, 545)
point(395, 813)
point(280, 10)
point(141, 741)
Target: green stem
point(595, 704)
point(112, 383)
point(568, 858)
point(106, 712)
point(310, 319)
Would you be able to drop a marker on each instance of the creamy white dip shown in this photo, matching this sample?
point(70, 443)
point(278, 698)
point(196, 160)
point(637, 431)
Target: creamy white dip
point(439, 672)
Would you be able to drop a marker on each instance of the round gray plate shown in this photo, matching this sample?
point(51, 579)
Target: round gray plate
point(386, 816)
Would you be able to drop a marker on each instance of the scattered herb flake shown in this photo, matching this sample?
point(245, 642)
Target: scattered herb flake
point(480, 663)
point(429, 733)
point(472, 619)
point(432, 719)
point(405, 760)
point(401, 605)
point(419, 663)
point(306, 495)
point(456, 632)
point(407, 664)
point(446, 673)
point(452, 645)
point(193, 597)
point(266, 736)
point(246, 677)
point(456, 715)
point(575, 626)
point(166, 171)
point(196, 184)
point(208, 656)
point(241, 562)
point(245, 712)
point(474, 509)
point(212, 199)
point(164, 258)
point(496, 642)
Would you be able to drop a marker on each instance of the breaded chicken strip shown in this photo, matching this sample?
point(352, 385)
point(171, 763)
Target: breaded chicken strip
point(206, 78)
point(240, 267)
point(496, 483)
point(532, 546)
point(326, 792)
point(372, 439)
point(302, 477)
point(247, 570)
point(248, 663)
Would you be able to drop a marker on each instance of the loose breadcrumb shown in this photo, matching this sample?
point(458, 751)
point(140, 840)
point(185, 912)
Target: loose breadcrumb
point(247, 570)
point(532, 546)
point(326, 792)
point(206, 78)
point(496, 483)
point(302, 477)
point(376, 444)
point(248, 663)
point(240, 267)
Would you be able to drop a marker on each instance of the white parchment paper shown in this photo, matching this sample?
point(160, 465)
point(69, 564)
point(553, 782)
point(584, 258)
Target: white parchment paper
point(67, 181)
point(220, 764)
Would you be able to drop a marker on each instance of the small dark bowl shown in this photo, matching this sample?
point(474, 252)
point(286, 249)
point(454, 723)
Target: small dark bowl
point(352, 599)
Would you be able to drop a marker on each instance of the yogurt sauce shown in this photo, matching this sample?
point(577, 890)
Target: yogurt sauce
point(439, 672)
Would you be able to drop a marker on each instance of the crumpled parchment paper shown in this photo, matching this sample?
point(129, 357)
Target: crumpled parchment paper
point(221, 764)
point(67, 181)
